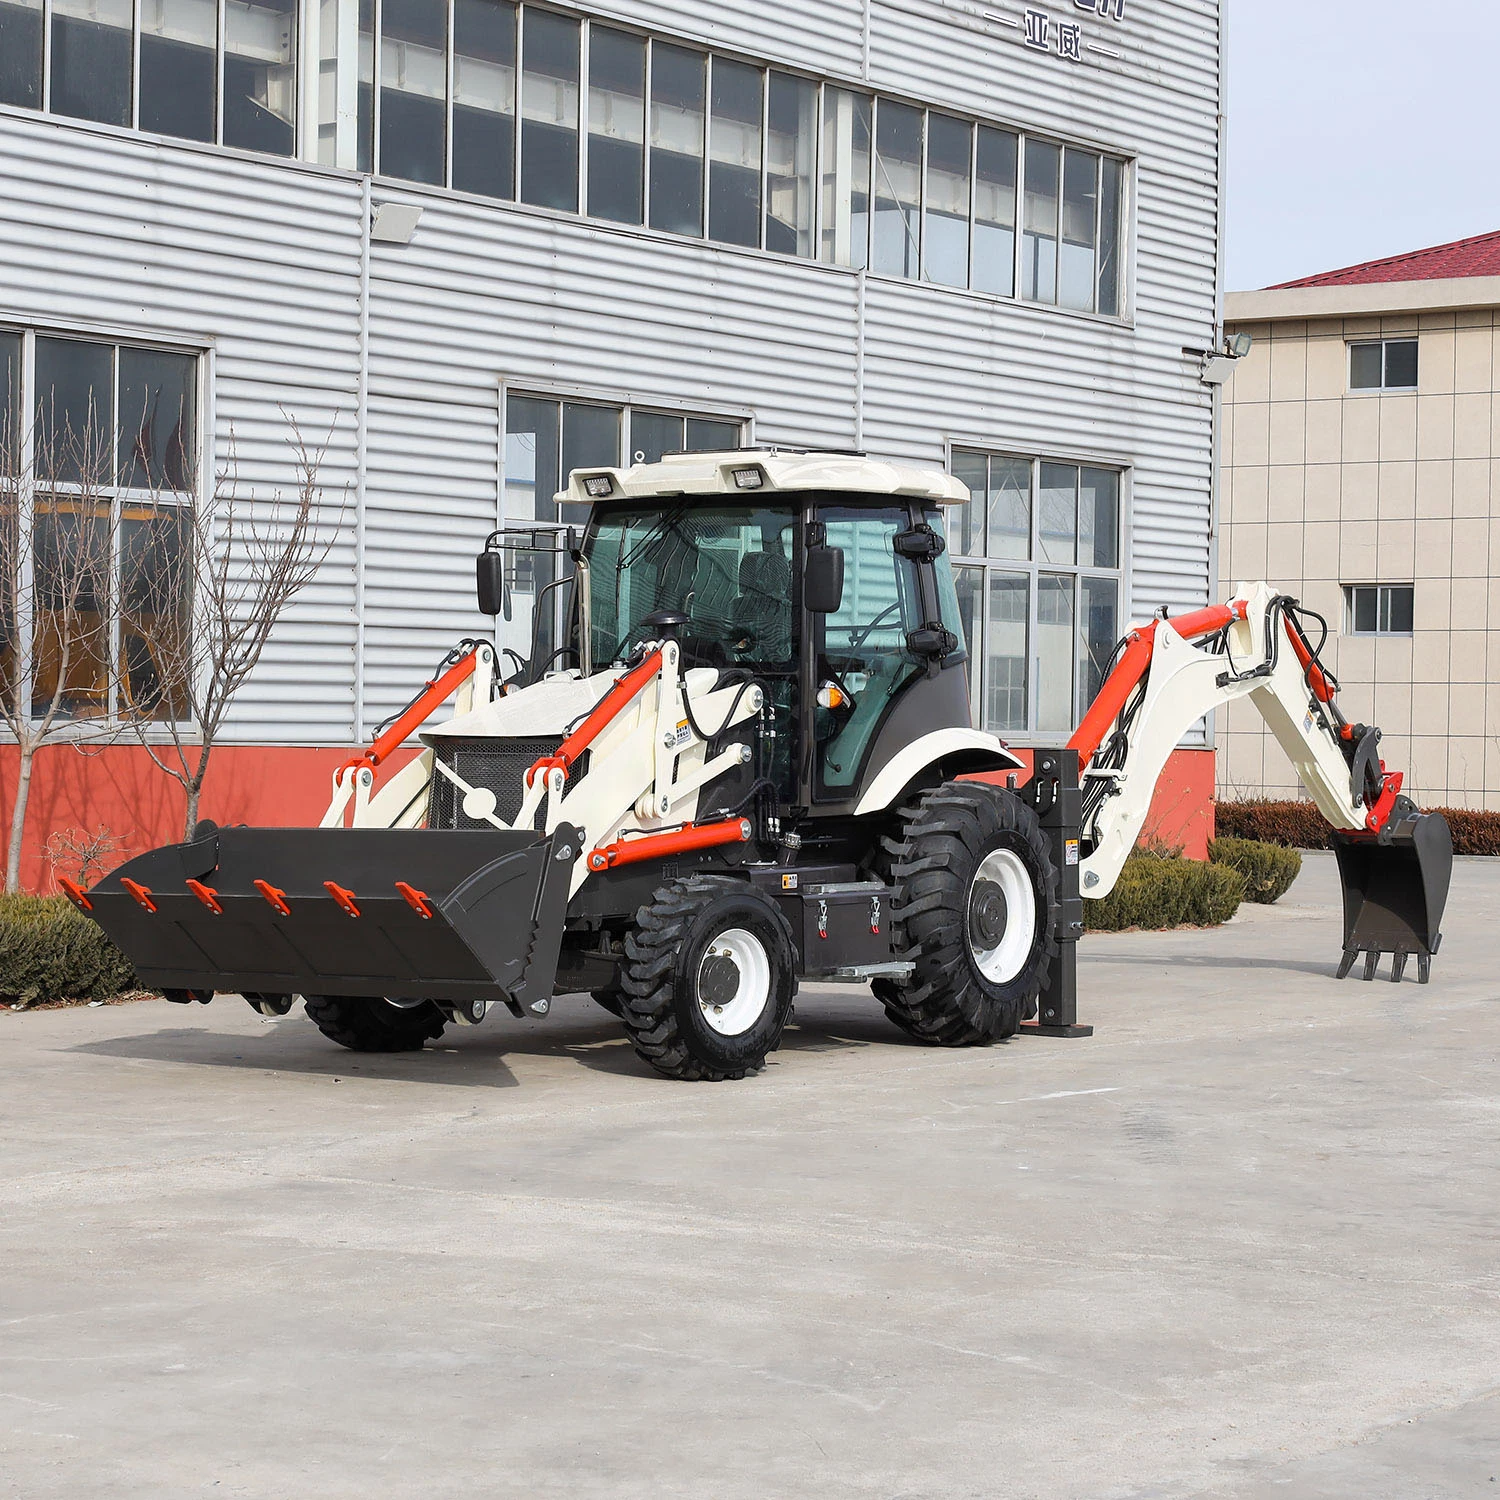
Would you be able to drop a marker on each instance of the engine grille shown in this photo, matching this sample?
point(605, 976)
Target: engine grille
point(499, 765)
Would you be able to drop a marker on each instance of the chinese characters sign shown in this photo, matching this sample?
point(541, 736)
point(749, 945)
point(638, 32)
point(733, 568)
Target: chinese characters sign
point(1045, 33)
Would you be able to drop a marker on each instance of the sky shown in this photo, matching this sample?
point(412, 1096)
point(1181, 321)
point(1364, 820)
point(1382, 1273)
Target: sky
point(1358, 129)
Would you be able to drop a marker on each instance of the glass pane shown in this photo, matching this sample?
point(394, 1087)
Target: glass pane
point(617, 125)
point(1402, 601)
point(792, 113)
point(155, 610)
point(1365, 367)
point(532, 450)
point(1099, 518)
point(945, 237)
point(705, 436)
point(413, 89)
point(70, 631)
point(91, 60)
point(590, 440)
point(1005, 654)
point(1010, 508)
point(1401, 365)
point(995, 211)
point(1101, 630)
point(21, 53)
point(549, 110)
point(1055, 650)
point(898, 189)
point(677, 102)
point(1039, 240)
point(365, 127)
point(734, 154)
point(1366, 602)
point(1111, 235)
point(846, 178)
point(484, 97)
point(158, 399)
point(967, 522)
point(1057, 517)
point(260, 75)
point(10, 402)
point(74, 410)
point(179, 67)
point(1080, 214)
point(969, 585)
point(653, 433)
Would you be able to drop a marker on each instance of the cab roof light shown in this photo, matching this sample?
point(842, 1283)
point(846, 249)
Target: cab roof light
point(598, 486)
point(752, 477)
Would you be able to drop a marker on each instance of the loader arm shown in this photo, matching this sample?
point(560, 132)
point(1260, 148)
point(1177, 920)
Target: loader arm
point(1171, 673)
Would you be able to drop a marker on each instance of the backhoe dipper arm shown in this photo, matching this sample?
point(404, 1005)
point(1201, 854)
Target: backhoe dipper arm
point(1170, 674)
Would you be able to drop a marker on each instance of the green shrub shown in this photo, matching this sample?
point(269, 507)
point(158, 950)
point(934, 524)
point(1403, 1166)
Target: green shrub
point(1299, 825)
point(50, 951)
point(1269, 869)
point(1156, 892)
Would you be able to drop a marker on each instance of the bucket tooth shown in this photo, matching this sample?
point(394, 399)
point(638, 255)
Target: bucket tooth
point(1347, 962)
point(1424, 968)
point(1398, 965)
point(1372, 958)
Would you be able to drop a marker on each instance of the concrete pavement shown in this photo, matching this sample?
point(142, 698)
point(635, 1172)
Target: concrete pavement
point(1243, 1243)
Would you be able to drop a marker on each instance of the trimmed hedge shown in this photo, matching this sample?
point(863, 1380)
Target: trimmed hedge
point(1299, 825)
point(1269, 870)
point(50, 951)
point(1156, 892)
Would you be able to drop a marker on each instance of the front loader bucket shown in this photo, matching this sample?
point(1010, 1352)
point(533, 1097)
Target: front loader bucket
point(403, 913)
point(1395, 889)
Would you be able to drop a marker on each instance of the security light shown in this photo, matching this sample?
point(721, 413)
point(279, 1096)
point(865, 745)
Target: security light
point(597, 486)
point(749, 479)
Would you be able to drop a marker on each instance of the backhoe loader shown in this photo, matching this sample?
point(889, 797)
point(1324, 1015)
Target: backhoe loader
point(739, 756)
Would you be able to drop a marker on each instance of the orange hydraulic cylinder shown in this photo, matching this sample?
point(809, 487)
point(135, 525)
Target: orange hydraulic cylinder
point(607, 707)
point(663, 845)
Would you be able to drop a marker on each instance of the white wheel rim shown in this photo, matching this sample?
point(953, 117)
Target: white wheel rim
point(1001, 930)
point(733, 1014)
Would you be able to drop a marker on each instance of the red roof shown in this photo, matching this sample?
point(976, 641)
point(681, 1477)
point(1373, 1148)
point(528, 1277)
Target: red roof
point(1479, 256)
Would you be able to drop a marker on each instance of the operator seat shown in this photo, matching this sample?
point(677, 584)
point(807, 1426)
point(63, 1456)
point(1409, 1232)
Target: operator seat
point(761, 615)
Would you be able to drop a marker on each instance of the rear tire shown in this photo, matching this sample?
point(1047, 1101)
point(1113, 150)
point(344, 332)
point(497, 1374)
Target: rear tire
point(708, 979)
point(976, 897)
point(369, 1023)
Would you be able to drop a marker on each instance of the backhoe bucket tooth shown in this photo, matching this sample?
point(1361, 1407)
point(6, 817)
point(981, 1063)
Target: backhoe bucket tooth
point(411, 913)
point(1395, 890)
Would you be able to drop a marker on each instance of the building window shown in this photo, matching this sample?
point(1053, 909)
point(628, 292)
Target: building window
point(98, 473)
point(221, 71)
point(546, 438)
point(1390, 365)
point(710, 147)
point(1037, 554)
point(1378, 608)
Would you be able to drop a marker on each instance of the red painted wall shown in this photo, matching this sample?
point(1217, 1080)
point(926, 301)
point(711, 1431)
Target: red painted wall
point(118, 787)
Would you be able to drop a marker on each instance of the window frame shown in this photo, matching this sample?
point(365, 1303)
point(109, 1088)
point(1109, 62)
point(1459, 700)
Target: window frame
point(1384, 345)
point(120, 497)
point(1032, 568)
point(1384, 593)
point(822, 193)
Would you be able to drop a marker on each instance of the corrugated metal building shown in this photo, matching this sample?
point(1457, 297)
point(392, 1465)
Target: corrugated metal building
point(977, 236)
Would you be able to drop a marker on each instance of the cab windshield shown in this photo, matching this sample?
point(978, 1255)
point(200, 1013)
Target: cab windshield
point(727, 568)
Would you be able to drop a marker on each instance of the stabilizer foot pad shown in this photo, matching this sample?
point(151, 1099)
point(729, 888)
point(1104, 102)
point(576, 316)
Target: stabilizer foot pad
point(1039, 1028)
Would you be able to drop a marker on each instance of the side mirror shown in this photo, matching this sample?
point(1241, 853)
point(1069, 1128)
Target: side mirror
point(489, 577)
point(823, 580)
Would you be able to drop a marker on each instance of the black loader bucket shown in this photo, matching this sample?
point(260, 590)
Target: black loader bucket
point(1395, 889)
point(402, 913)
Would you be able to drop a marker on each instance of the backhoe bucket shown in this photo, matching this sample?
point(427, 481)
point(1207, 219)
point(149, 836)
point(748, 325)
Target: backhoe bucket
point(1395, 889)
point(402, 913)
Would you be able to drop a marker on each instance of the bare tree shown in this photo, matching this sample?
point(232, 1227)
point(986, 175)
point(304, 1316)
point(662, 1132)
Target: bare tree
point(208, 588)
point(57, 540)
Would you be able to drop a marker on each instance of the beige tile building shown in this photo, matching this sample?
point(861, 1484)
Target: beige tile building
point(1360, 469)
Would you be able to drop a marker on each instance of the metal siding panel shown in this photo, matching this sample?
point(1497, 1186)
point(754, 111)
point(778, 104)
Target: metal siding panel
point(104, 233)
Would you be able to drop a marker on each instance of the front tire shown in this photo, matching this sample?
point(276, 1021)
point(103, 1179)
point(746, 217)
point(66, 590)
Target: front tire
point(976, 898)
point(708, 979)
point(368, 1023)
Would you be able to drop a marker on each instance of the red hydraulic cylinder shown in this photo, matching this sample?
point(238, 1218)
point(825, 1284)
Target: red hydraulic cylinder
point(662, 845)
point(612, 703)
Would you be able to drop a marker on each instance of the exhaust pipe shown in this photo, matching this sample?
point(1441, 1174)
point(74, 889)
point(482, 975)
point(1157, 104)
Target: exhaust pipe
point(1395, 891)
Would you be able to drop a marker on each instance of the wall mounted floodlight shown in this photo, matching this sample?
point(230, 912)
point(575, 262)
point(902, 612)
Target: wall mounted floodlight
point(1240, 345)
point(394, 223)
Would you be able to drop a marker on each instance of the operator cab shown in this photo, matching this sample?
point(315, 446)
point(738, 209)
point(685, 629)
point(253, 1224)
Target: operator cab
point(796, 570)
